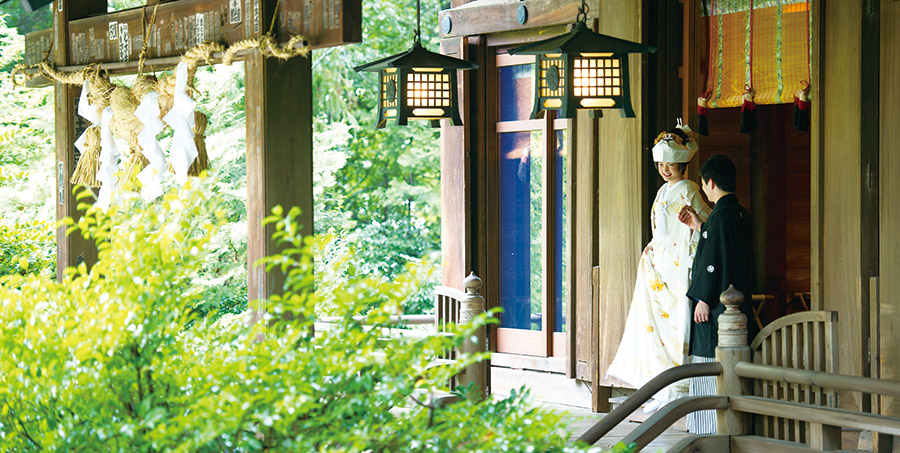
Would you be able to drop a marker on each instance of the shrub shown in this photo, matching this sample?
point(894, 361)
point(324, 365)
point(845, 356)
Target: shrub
point(118, 357)
point(27, 248)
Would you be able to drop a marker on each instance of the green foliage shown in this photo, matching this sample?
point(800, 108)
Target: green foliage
point(622, 448)
point(382, 190)
point(27, 240)
point(27, 248)
point(117, 358)
point(16, 16)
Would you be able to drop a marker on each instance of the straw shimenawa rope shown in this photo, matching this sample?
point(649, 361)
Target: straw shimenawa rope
point(124, 101)
point(145, 84)
point(127, 126)
point(201, 163)
point(88, 167)
point(89, 164)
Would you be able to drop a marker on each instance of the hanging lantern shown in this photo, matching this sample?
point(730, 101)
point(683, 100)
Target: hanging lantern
point(582, 70)
point(417, 84)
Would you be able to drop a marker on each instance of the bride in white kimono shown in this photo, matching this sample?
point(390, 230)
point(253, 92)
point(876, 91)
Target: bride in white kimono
point(657, 329)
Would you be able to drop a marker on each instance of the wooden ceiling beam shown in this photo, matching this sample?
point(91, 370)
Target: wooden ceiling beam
point(484, 17)
point(118, 37)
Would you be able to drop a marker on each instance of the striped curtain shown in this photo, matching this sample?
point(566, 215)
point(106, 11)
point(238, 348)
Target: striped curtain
point(763, 44)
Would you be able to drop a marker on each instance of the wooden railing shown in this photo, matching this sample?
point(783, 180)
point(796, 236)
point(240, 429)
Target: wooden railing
point(783, 402)
point(801, 341)
point(451, 307)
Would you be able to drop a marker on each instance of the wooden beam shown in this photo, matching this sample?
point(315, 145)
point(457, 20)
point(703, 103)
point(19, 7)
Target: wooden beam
point(476, 19)
point(278, 103)
point(119, 36)
point(756, 444)
point(814, 414)
point(71, 249)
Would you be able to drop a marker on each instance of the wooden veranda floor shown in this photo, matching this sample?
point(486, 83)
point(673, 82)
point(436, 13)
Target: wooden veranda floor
point(579, 420)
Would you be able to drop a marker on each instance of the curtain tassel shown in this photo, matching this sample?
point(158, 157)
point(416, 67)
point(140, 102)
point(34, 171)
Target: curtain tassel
point(702, 109)
point(748, 112)
point(801, 108)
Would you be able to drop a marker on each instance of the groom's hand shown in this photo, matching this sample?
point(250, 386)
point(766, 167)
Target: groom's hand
point(701, 312)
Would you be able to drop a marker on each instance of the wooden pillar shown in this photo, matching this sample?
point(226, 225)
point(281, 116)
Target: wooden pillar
point(817, 155)
point(842, 176)
point(732, 349)
point(278, 103)
point(621, 158)
point(888, 285)
point(458, 149)
point(868, 184)
point(73, 249)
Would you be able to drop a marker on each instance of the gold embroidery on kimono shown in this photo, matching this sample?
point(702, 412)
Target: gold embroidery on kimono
point(657, 328)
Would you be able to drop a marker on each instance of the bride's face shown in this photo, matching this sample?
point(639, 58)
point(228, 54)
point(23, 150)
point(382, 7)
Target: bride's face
point(670, 171)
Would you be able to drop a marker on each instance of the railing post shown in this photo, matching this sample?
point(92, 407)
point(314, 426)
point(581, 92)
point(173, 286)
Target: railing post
point(732, 349)
point(471, 306)
point(824, 437)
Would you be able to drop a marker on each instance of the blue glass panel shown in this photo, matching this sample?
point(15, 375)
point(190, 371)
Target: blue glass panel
point(521, 229)
point(516, 92)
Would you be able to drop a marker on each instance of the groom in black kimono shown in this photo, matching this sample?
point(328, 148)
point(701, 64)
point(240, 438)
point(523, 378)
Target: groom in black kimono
point(724, 257)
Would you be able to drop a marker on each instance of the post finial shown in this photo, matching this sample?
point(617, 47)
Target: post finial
point(472, 283)
point(732, 322)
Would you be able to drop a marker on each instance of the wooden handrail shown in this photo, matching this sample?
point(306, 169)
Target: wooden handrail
point(669, 414)
point(449, 292)
point(670, 376)
point(794, 318)
point(702, 442)
point(391, 332)
point(818, 378)
point(759, 443)
point(401, 319)
point(816, 414)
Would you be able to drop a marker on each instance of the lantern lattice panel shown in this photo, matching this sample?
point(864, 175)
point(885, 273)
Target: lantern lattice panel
point(552, 82)
point(597, 77)
point(428, 90)
point(389, 91)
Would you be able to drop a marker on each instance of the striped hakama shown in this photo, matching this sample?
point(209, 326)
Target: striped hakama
point(702, 422)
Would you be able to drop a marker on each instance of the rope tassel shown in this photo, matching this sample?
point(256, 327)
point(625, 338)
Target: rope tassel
point(748, 113)
point(801, 108)
point(201, 163)
point(702, 110)
point(89, 164)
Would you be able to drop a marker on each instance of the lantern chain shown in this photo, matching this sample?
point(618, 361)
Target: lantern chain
point(582, 12)
point(418, 22)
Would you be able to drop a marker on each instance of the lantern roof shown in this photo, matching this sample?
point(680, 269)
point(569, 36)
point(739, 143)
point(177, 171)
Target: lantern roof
point(416, 57)
point(582, 40)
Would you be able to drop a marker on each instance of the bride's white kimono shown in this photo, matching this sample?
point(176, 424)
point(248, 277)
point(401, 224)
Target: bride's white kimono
point(657, 329)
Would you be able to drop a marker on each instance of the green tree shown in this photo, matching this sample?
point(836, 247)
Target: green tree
point(27, 241)
point(384, 202)
point(117, 357)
